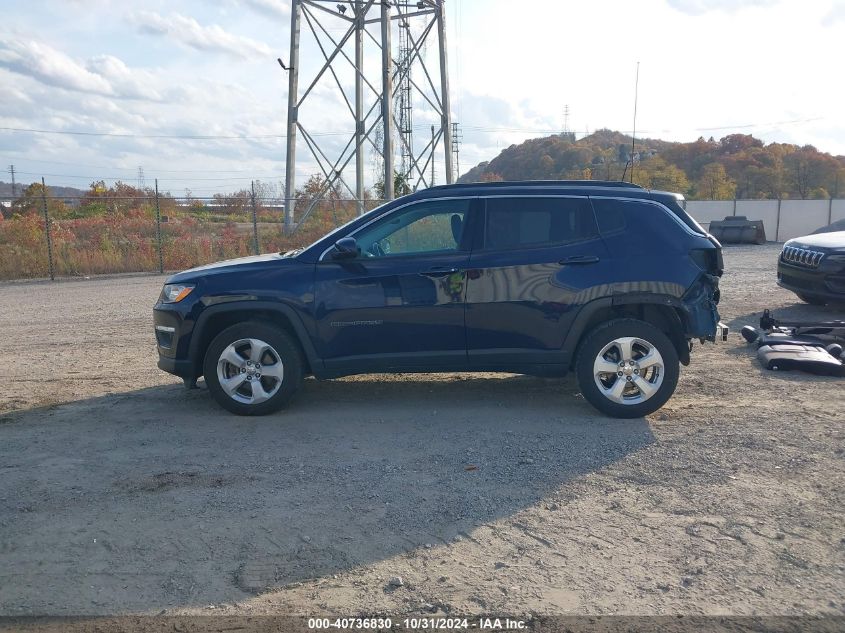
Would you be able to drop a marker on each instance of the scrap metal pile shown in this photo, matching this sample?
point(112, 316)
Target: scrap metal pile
point(812, 346)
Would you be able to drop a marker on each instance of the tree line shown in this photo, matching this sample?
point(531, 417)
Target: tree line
point(735, 166)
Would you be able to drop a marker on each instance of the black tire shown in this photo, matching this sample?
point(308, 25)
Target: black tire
point(813, 301)
point(281, 348)
point(638, 405)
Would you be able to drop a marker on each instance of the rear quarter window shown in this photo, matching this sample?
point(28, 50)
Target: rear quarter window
point(610, 215)
point(649, 229)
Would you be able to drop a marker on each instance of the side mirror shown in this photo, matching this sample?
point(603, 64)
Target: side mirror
point(345, 248)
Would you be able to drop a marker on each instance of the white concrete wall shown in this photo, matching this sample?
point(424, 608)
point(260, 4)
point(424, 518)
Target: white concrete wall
point(838, 210)
point(783, 220)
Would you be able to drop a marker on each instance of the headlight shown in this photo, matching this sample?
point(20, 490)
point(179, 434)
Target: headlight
point(174, 293)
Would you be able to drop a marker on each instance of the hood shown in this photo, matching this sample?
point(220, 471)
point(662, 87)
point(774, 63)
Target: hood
point(836, 239)
point(252, 262)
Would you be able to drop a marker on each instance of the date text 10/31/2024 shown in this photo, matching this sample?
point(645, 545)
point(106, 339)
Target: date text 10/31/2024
point(431, 624)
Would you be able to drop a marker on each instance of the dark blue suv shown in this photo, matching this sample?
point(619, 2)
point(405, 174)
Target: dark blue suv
point(605, 278)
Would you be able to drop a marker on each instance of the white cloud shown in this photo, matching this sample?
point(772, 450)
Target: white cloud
point(101, 75)
point(272, 7)
point(49, 66)
point(124, 81)
point(836, 14)
point(698, 7)
point(187, 31)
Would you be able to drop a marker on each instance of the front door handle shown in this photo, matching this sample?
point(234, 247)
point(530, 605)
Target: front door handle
point(579, 259)
point(439, 271)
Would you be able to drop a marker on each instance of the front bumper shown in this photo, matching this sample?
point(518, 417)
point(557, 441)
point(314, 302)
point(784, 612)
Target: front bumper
point(173, 335)
point(181, 368)
point(812, 282)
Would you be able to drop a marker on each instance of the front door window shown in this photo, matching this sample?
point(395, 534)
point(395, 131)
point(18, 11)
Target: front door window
point(423, 228)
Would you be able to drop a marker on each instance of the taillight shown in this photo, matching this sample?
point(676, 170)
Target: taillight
point(708, 259)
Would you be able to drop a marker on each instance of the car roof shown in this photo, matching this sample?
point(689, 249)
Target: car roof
point(535, 187)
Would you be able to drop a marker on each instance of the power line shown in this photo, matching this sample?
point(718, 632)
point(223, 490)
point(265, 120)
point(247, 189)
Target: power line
point(158, 171)
point(195, 137)
point(322, 134)
point(192, 179)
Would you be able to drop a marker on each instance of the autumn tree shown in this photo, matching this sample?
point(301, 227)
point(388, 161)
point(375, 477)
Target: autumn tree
point(714, 184)
point(31, 200)
point(119, 198)
point(656, 173)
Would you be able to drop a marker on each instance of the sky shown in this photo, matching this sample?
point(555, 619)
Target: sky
point(124, 79)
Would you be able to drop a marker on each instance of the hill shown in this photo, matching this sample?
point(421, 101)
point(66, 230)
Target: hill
point(59, 192)
point(737, 165)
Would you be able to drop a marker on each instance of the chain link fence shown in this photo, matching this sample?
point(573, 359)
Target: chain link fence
point(46, 236)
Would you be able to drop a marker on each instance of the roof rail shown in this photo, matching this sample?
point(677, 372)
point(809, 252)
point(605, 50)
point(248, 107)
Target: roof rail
point(546, 183)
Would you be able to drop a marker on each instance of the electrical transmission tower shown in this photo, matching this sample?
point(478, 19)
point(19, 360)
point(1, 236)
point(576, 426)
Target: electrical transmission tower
point(14, 188)
point(141, 182)
point(383, 97)
point(404, 102)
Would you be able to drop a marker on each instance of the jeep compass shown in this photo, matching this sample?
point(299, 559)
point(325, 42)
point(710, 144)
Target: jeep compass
point(605, 279)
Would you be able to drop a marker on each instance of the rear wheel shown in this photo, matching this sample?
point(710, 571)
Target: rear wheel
point(627, 368)
point(252, 368)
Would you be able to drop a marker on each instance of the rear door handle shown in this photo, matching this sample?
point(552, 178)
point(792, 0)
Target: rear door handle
point(579, 259)
point(439, 271)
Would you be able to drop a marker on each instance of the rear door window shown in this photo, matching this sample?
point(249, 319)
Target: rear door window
point(534, 222)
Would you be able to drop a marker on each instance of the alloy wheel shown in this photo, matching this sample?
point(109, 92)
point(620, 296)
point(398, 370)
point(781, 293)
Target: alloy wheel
point(250, 371)
point(628, 370)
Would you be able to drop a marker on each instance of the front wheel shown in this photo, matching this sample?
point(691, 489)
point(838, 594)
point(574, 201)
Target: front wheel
point(627, 368)
point(253, 368)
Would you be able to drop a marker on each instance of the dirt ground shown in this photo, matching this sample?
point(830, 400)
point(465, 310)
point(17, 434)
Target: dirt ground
point(122, 493)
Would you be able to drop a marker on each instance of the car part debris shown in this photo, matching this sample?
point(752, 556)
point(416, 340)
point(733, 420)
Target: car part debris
point(769, 322)
point(810, 346)
point(808, 358)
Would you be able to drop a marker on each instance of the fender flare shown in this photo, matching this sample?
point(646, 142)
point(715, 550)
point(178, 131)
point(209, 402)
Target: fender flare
point(588, 310)
point(194, 353)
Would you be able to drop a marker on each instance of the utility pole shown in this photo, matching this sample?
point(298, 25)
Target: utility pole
point(293, 113)
point(360, 15)
point(634, 132)
point(339, 35)
point(14, 188)
point(456, 147)
point(432, 155)
point(446, 110)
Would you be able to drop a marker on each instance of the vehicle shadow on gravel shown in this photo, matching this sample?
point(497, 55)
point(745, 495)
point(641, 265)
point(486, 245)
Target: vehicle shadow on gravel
point(157, 499)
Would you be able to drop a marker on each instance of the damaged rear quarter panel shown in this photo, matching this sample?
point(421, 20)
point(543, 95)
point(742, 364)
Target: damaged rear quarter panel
point(699, 303)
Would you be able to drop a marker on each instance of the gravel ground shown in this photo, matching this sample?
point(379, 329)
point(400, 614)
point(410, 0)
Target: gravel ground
point(122, 493)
